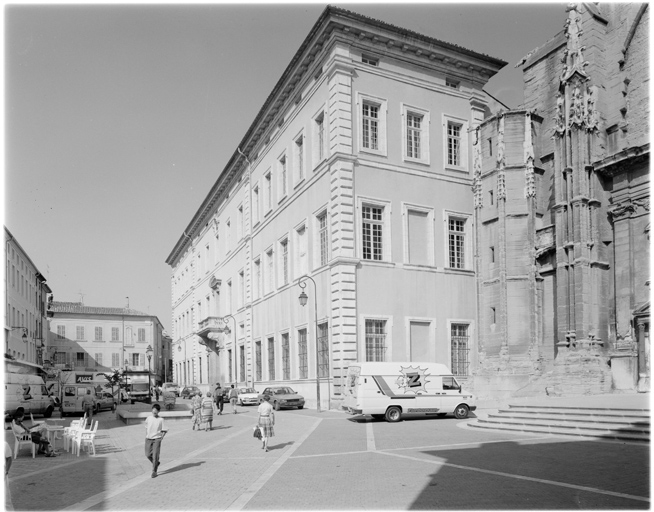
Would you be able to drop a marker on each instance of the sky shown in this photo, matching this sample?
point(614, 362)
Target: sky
point(120, 118)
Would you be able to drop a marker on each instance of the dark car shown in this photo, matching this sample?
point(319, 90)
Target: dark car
point(189, 391)
point(282, 396)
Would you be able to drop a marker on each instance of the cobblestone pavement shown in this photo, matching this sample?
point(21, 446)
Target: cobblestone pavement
point(330, 461)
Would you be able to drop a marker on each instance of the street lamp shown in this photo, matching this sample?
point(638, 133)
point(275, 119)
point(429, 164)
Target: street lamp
point(233, 361)
point(303, 298)
point(24, 336)
point(148, 352)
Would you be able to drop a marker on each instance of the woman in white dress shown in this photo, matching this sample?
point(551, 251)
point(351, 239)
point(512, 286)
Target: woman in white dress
point(266, 421)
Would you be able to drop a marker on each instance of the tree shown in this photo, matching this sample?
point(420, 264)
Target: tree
point(114, 378)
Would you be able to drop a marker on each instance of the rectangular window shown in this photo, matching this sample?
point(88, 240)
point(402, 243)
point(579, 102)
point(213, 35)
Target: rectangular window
point(241, 288)
point(268, 192)
point(302, 354)
point(302, 263)
point(141, 333)
point(284, 252)
point(80, 332)
point(413, 135)
point(255, 205)
point(270, 272)
point(375, 340)
point(370, 127)
point(61, 332)
point(115, 360)
point(299, 158)
point(450, 82)
point(271, 358)
point(453, 143)
point(228, 235)
point(460, 349)
point(320, 136)
point(323, 241)
point(257, 351)
point(323, 350)
point(418, 237)
point(115, 334)
point(286, 357)
point(98, 359)
point(371, 61)
point(283, 179)
point(240, 223)
point(98, 334)
point(456, 242)
point(257, 278)
point(373, 219)
point(80, 359)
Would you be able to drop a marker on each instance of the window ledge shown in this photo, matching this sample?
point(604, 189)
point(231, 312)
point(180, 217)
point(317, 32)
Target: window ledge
point(374, 263)
point(377, 152)
point(298, 184)
point(282, 199)
point(462, 271)
point(421, 161)
point(268, 212)
point(456, 168)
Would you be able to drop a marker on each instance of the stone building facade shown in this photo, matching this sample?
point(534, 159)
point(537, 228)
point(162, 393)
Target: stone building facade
point(356, 173)
point(26, 296)
point(101, 339)
point(561, 197)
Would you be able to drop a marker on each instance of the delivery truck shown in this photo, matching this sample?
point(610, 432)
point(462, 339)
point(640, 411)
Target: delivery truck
point(394, 390)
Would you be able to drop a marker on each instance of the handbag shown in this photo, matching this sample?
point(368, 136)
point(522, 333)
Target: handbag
point(257, 432)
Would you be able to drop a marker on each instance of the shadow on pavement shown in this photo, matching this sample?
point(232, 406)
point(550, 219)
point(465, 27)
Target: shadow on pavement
point(279, 446)
point(182, 467)
point(509, 475)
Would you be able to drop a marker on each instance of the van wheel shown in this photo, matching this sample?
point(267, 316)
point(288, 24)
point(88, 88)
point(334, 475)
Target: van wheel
point(48, 412)
point(461, 411)
point(393, 414)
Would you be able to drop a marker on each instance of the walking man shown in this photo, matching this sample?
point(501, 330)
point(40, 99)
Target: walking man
point(218, 397)
point(88, 405)
point(155, 430)
point(233, 397)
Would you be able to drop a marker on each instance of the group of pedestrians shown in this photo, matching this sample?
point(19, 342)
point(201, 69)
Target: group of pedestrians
point(203, 412)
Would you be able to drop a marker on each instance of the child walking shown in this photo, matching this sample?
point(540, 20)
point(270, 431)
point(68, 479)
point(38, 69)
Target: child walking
point(155, 430)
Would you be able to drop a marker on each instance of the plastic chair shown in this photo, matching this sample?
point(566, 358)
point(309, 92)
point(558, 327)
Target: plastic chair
point(70, 431)
point(22, 439)
point(84, 438)
point(88, 439)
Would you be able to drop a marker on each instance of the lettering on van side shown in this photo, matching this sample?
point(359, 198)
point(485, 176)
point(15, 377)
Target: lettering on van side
point(422, 409)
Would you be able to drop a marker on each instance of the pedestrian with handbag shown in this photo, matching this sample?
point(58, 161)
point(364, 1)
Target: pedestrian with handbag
point(266, 421)
point(233, 398)
point(196, 406)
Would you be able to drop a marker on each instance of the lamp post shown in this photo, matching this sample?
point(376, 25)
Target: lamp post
point(148, 352)
point(235, 376)
point(303, 302)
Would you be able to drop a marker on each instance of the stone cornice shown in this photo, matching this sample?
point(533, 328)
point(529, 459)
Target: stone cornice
point(622, 161)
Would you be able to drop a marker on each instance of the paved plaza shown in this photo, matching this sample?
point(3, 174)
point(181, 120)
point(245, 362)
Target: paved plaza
point(330, 461)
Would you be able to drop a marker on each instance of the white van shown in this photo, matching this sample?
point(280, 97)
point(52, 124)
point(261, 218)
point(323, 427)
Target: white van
point(27, 393)
point(393, 390)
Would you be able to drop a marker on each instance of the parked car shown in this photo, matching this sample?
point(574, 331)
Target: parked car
point(104, 401)
point(170, 386)
point(189, 391)
point(247, 396)
point(282, 396)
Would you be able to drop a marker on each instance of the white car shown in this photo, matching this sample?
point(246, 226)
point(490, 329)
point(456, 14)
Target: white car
point(247, 396)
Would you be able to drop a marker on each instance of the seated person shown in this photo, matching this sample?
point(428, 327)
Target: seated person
point(35, 433)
